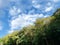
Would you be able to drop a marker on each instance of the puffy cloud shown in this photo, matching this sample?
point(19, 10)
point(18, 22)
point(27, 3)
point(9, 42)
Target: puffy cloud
point(48, 9)
point(24, 20)
point(16, 23)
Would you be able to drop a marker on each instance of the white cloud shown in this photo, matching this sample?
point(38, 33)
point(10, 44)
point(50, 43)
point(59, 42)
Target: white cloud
point(48, 9)
point(10, 31)
point(20, 20)
point(16, 23)
point(35, 4)
point(14, 11)
point(56, 0)
point(24, 20)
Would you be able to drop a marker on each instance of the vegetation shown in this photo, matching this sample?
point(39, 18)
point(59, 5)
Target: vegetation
point(45, 31)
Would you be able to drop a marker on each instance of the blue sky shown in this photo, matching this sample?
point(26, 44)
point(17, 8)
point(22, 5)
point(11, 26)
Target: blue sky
point(15, 14)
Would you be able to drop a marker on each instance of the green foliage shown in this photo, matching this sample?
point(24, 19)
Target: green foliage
point(45, 31)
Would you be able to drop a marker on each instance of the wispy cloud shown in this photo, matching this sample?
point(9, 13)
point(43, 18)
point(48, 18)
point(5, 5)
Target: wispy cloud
point(35, 4)
point(56, 1)
point(48, 9)
point(14, 11)
point(24, 20)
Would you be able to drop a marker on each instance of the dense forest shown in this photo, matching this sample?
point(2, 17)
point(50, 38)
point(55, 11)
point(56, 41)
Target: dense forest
point(44, 31)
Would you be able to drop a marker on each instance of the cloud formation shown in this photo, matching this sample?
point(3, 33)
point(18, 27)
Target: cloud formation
point(25, 12)
point(20, 13)
point(24, 20)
